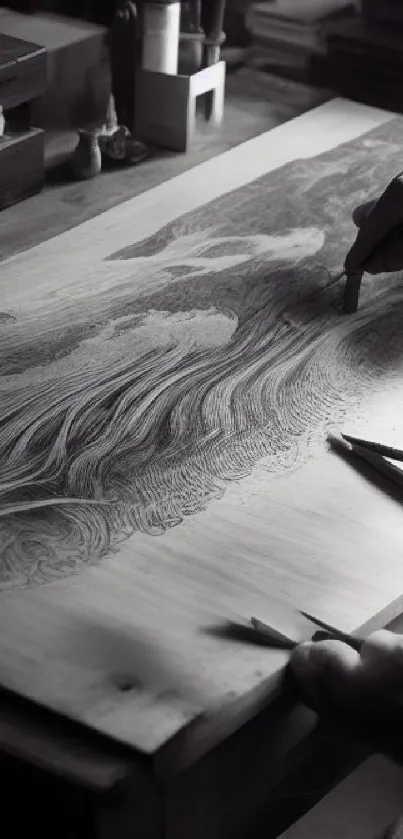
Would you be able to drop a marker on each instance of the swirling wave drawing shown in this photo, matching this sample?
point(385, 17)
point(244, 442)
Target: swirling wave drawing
point(212, 347)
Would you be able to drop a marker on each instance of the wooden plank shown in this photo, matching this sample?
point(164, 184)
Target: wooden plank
point(122, 646)
point(162, 109)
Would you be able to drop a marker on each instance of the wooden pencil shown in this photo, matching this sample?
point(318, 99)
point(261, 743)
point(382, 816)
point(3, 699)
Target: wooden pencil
point(352, 293)
point(335, 634)
point(274, 635)
point(377, 461)
point(380, 448)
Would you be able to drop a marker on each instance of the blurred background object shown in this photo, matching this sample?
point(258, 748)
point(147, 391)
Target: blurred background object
point(353, 48)
point(364, 56)
point(287, 34)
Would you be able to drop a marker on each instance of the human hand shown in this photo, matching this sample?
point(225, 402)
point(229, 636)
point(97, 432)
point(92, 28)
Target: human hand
point(378, 247)
point(331, 677)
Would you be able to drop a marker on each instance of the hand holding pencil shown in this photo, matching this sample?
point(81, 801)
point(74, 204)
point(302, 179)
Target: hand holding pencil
point(364, 683)
point(378, 247)
point(364, 686)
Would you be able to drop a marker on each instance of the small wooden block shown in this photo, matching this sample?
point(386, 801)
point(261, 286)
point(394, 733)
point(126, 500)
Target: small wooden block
point(166, 105)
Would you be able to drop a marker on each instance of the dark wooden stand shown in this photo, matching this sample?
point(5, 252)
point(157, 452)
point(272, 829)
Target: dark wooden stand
point(22, 79)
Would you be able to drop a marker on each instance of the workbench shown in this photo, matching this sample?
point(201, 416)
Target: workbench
point(258, 783)
point(119, 655)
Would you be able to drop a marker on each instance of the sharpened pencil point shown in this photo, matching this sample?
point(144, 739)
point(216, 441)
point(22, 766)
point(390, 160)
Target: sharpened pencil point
point(338, 442)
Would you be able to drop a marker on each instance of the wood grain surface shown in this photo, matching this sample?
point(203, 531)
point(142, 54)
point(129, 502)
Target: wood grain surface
point(131, 646)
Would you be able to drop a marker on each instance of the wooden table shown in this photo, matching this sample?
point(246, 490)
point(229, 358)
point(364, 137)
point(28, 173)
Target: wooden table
point(257, 784)
point(128, 649)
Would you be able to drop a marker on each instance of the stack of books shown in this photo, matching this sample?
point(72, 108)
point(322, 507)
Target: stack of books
point(290, 32)
point(364, 61)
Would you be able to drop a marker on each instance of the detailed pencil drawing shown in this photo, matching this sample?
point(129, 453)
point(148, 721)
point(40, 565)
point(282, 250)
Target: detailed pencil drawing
point(129, 399)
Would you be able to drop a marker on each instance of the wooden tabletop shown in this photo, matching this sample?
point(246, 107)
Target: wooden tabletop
point(15, 49)
point(130, 646)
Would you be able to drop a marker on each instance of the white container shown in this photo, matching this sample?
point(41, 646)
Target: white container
point(161, 28)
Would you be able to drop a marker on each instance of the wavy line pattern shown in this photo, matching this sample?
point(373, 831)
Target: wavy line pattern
point(172, 388)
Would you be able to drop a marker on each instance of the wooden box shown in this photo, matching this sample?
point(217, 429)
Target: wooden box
point(77, 59)
point(166, 105)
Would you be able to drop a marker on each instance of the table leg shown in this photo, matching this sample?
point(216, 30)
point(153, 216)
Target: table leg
point(125, 57)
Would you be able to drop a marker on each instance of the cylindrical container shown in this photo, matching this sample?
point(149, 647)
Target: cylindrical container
point(161, 28)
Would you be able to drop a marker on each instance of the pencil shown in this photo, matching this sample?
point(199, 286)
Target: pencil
point(336, 634)
point(272, 634)
point(378, 463)
point(352, 293)
point(380, 448)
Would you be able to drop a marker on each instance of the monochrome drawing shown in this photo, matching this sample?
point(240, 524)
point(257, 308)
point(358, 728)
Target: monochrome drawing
point(214, 345)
